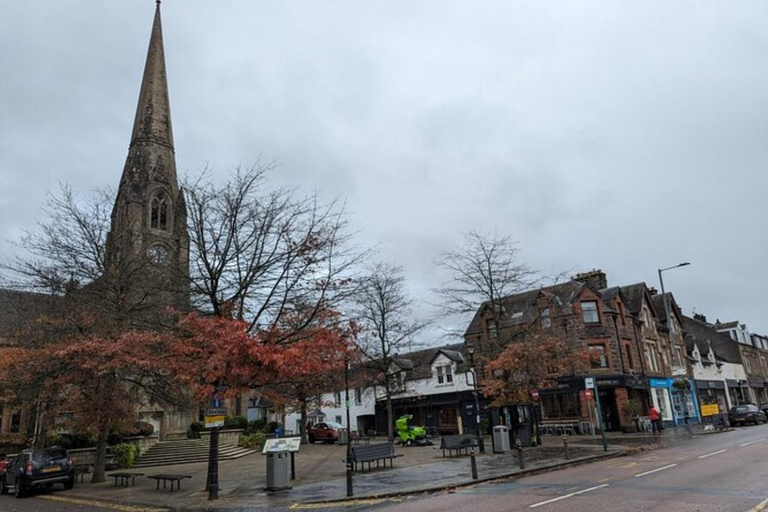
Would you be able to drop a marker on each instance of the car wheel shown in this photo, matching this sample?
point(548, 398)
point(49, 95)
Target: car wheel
point(18, 490)
point(69, 483)
point(311, 440)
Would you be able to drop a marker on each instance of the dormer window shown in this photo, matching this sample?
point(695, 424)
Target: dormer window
point(444, 374)
point(546, 320)
point(159, 208)
point(589, 312)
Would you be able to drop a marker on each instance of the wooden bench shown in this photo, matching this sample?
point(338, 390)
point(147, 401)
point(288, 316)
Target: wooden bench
point(125, 478)
point(374, 452)
point(457, 443)
point(169, 478)
point(81, 470)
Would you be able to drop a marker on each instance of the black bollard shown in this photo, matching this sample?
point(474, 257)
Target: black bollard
point(565, 446)
point(520, 458)
point(474, 464)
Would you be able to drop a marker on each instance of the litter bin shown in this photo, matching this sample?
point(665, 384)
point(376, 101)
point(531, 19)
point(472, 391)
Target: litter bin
point(343, 436)
point(500, 439)
point(278, 471)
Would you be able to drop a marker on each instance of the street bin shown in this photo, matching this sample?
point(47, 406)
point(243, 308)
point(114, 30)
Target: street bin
point(343, 436)
point(278, 471)
point(500, 439)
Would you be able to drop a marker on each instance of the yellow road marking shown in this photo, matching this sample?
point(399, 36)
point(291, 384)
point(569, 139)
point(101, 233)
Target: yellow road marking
point(104, 504)
point(314, 506)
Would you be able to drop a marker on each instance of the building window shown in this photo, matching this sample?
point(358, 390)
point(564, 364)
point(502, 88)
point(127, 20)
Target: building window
point(622, 314)
point(444, 374)
point(652, 355)
point(546, 320)
point(397, 381)
point(158, 218)
point(630, 359)
point(589, 312)
point(16, 423)
point(597, 356)
point(492, 328)
point(338, 420)
point(358, 396)
point(337, 398)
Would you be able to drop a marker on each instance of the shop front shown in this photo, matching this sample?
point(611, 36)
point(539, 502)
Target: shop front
point(714, 392)
point(757, 386)
point(675, 404)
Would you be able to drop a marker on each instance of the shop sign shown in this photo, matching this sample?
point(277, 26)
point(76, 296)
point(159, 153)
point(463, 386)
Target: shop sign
point(710, 410)
point(678, 371)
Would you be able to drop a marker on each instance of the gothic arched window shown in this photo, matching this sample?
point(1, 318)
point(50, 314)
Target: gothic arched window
point(159, 207)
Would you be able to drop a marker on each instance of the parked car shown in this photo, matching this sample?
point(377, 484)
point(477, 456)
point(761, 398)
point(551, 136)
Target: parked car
point(746, 413)
point(764, 408)
point(38, 468)
point(327, 432)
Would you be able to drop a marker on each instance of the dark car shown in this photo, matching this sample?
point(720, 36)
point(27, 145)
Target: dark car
point(746, 413)
point(38, 468)
point(764, 408)
point(327, 431)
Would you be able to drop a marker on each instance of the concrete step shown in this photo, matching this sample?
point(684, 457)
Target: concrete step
point(187, 451)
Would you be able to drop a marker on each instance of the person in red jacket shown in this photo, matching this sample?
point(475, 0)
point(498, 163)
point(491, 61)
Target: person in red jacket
point(655, 416)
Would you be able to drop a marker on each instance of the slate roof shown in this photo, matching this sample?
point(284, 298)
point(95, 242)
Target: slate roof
point(704, 335)
point(658, 303)
point(420, 361)
point(18, 307)
point(518, 309)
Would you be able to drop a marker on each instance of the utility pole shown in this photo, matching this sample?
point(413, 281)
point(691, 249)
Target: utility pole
point(478, 431)
point(350, 491)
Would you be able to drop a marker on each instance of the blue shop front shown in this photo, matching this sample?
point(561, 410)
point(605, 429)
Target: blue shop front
point(673, 403)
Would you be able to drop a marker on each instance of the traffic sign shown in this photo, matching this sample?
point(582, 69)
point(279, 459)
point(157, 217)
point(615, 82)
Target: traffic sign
point(535, 395)
point(588, 394)
point(589, 383)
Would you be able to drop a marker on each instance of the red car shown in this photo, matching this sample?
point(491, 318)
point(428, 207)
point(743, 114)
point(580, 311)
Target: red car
point(327, 432)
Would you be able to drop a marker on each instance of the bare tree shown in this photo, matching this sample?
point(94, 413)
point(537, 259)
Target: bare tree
point(483, 269)
point(388, 328)
point(265, 253)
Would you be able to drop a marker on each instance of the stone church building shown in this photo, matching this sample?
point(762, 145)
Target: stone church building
point(148, 241)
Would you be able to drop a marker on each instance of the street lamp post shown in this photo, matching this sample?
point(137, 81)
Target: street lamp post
point(669, 328)
point(349, 430)
point(478, 433)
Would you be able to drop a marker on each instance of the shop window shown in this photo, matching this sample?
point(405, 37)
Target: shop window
point(589, 312)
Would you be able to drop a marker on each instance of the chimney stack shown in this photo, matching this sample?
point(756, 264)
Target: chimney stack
point(595, 278)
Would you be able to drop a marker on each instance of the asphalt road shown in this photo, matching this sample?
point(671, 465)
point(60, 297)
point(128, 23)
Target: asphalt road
point(719, 472)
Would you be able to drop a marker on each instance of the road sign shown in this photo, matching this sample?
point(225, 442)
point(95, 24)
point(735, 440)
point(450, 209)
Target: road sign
point(215, 416)
point(588, 394)
point(589, 383)
point(535, 395)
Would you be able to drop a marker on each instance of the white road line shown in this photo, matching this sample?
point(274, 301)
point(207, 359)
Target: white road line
point(713, 453)
point(655, 470)
point(763, 505)
point(567, 496)
point(751, 442)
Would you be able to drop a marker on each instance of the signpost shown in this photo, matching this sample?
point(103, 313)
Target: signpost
point(215, 416)
point(590, 384)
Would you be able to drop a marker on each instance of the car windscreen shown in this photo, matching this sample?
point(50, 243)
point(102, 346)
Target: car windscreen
point(332, 424)
point(742, 408)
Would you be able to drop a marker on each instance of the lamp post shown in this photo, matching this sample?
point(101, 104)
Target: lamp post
point(478, 433)
point(669, 328)
point(349, 429)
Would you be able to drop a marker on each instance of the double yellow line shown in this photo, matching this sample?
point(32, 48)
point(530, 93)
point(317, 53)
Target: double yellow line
point(103, 504)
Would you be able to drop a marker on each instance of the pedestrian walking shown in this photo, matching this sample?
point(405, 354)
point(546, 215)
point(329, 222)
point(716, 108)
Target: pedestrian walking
point(655, 416)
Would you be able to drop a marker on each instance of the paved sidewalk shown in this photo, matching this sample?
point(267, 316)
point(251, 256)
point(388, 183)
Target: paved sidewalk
point(320, 474)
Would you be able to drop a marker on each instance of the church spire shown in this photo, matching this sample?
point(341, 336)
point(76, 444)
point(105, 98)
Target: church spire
point(153, 113)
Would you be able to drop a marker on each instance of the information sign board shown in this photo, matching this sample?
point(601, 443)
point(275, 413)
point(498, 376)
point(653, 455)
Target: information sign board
point(284, 444)
point(214, 417)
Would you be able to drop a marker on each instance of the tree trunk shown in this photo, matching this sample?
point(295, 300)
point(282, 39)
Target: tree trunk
point(390, 415)
point(99, 467)
point(303, 426)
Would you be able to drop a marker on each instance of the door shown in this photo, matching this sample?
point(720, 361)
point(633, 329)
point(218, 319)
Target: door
point(447, 422)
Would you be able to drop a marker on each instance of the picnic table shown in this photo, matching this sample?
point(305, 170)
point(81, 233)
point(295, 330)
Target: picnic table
point(125, 478)
point(169, 478)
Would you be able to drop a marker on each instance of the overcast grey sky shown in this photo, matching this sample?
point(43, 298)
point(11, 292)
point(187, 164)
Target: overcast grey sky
point(625, 136)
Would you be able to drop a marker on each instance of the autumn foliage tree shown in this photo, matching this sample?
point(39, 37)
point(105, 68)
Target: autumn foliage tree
point(97, 380)
point(533, 361)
